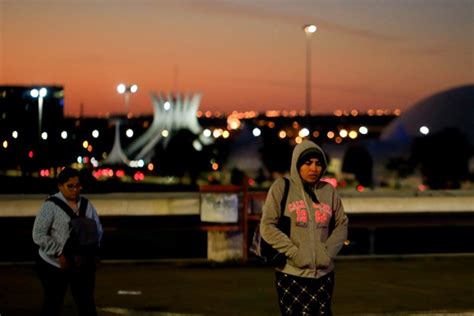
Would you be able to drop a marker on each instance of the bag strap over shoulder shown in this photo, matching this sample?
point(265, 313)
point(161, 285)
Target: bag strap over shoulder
point(83, 207)
point(284, 222)
point(67, 209)
point(285, 196)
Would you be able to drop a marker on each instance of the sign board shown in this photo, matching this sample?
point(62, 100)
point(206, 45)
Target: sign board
point(220, 207)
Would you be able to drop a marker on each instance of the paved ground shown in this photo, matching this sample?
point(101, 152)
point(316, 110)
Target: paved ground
point(439, 285)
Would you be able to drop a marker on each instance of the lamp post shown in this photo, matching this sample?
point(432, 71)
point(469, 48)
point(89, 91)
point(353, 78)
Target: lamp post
point(39, 94)
point(127, 91)
point(309, 30)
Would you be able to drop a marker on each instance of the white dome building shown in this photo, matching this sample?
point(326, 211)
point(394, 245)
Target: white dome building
point(453, 108)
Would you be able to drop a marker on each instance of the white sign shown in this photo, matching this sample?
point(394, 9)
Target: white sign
point(220, 207)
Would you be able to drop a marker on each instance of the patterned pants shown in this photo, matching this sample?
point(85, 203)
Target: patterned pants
point(304, 296)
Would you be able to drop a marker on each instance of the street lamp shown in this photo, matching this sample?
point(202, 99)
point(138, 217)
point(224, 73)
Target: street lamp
point(40, 94)
point(309, 30)
point(127, 91)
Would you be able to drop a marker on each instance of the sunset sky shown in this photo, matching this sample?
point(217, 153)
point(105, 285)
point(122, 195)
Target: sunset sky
point(240, 54)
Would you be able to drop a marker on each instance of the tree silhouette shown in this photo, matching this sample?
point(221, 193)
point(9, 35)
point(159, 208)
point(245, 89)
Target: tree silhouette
point(358, 161)
point(276, 153)
point(443, 158)
point(179, 156)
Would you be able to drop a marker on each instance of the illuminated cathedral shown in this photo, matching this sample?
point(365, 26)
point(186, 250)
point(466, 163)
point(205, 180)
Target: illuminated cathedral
point(170, 114)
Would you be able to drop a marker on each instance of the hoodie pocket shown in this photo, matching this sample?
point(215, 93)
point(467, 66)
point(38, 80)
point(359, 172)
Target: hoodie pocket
point(301, 259)
point(323, 260)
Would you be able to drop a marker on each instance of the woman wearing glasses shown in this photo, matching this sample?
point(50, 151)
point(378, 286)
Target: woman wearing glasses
point(51, 231)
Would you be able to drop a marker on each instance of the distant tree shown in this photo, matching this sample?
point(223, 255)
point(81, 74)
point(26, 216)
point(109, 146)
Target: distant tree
point(358, 161)
point(260, 178)
point(179, 156)
point(276, 153)
point(443, 158)
point(237, 176)
point(402, 166)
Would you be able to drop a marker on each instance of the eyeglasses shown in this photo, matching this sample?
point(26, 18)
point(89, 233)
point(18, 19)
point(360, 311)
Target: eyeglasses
point(76, 186)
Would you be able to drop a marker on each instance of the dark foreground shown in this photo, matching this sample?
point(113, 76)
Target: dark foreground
point(428, 285)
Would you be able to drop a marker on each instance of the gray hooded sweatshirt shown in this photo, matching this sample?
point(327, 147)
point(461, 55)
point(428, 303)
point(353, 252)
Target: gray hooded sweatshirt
point(51, 229)
point(310, 248)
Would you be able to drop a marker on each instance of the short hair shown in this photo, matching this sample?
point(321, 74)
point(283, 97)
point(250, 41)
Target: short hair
point(66, 174)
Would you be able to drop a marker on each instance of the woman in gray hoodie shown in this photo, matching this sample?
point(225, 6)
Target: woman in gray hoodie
point(317, 231)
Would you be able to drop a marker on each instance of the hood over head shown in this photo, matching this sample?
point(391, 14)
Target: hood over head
point(301, 153)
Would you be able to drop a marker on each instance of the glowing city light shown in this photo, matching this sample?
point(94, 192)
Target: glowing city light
point(138, 176)
point(353, 134)
point(207, 132)
point(217, 133)
point(197, 145)
point(15, 134)
point(95, 133)
point(424, 130)
point(310, 28)
point(256, 132)
point(233, 122)
point(64, 135)
point(139, 163)
point(363, 130)
point(129, 133)
point(44, 136)
point(121, 88)
point(94, 162)
point(304, 132)
point(44, 173)
point(35, 93)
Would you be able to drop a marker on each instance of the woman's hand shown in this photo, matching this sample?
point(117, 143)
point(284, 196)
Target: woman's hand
point(300, 259)
point(323, 260)
point(63, 263)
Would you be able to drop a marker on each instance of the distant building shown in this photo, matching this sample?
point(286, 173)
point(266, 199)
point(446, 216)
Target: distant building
point(250, 142)
point(19, 110)
point(452, 108)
